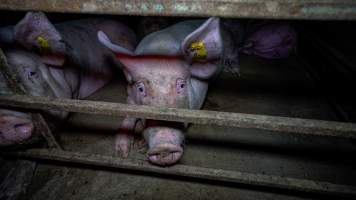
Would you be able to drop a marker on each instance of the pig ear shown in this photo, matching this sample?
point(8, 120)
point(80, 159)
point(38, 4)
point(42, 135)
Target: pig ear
point(205, 43)
point(105, 40)
point(124, 55)
point(35, 32)
point(203, 70)
point(202, 47)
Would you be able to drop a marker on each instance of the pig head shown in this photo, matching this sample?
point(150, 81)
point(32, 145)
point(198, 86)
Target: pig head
point(169, 68)
point(58, 60)
point(16, 126)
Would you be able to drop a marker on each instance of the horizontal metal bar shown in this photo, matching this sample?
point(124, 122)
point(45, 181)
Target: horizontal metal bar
point(191, 171)
point(281, 124)
point(286, 9)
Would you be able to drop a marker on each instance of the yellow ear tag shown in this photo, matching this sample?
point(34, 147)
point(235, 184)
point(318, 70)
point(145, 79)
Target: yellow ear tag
point(44, 46)
point(198, 51)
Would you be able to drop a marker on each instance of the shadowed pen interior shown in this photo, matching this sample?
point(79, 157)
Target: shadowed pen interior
point(177, 100)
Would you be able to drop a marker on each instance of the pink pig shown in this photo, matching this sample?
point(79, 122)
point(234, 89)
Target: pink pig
point(170, 68)
point(271, 40)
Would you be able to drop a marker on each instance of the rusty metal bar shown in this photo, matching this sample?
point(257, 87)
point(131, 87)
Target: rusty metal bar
point(17, 87)
point(281, 9)
point(303, 185)
point(273, 123)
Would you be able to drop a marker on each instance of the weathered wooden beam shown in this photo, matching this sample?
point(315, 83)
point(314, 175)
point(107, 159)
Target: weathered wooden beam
point(303, 185)
point(16, 87)
point(281, 9)
point(273, 123)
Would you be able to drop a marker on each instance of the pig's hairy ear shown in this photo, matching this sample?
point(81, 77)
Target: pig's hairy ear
point(205, 43)
point(36, 33)
point(105, 40)
point(203, 71)
point(120, 62)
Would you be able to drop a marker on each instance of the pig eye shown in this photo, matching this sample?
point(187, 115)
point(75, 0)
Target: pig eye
point(31, 74)
point(141, 88)
point(181, 84)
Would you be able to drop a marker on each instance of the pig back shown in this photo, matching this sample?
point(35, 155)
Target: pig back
point(83, 48)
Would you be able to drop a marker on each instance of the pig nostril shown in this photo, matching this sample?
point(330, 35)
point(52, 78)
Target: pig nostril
point(17, 126)
point(23, 128)
point(165, 154)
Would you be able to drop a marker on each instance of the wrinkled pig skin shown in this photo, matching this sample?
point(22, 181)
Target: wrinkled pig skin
point(271, 40)
point(63, 60)
point(171, 68)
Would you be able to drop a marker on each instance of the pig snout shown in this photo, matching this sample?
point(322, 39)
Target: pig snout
point(14, 130)
point(164, 143)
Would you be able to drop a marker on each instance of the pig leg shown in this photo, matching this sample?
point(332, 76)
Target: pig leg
point(124, 137)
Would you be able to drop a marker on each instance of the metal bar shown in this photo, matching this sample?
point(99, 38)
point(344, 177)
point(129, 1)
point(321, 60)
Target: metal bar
point(191, 171)
point(281, 124)
point(17, 87)
point(281, 9)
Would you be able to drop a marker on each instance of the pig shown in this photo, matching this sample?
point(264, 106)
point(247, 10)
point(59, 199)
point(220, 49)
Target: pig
point(270, 40)
point(58, 60)
point(171, 68)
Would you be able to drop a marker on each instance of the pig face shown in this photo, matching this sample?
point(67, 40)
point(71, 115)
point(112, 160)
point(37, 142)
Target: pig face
point(16, 127)
point(28, 68)
point(170, 68)
point(158, 81)
point(37, 34)
point(38, 80)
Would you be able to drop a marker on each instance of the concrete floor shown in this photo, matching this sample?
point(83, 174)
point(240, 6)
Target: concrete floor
point(280, 88)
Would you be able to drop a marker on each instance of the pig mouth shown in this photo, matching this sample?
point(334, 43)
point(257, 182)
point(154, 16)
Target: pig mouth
point(165, 154)
point(164, 141)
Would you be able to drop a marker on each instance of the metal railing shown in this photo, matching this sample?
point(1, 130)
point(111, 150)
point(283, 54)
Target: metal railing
point(281, 9)
point(277, 124)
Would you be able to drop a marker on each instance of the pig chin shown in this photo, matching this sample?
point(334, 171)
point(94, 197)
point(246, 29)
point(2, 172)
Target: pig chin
point(164, 143)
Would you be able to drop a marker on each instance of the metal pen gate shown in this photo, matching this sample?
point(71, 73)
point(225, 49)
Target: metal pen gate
point(279, 9)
